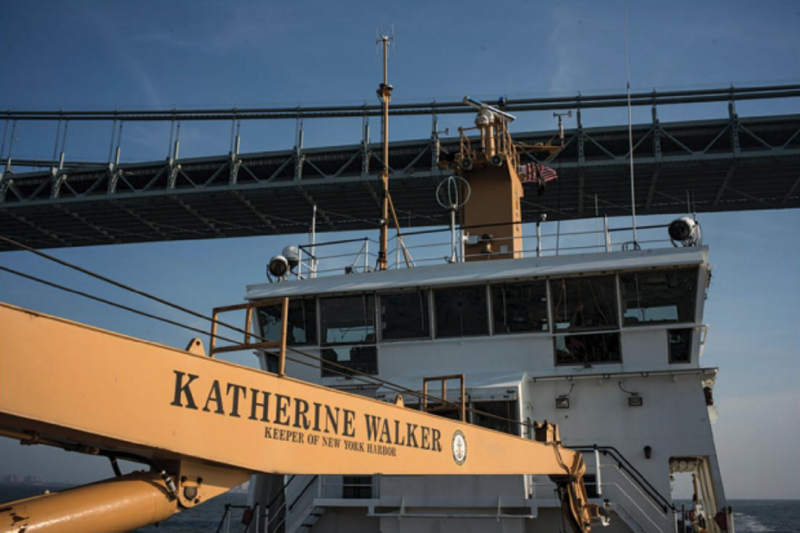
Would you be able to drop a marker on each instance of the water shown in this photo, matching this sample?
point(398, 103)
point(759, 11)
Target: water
point(750, 516)
point(766, 516)
point(204, 518)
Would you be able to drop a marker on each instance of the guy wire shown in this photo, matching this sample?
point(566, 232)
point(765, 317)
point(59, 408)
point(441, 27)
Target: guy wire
point(347, 372)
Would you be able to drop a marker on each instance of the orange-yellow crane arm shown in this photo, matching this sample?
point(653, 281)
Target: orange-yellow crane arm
point(205, 425)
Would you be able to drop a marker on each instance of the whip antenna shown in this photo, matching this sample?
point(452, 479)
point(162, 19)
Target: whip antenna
point(630, 126)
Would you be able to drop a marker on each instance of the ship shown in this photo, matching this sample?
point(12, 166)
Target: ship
point(583, 361)
point(605, 339)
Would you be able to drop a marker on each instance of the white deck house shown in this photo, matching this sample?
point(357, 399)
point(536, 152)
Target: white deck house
point(607, 345)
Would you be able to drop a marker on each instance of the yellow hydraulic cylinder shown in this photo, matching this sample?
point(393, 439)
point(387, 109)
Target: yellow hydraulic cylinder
point(120, 504)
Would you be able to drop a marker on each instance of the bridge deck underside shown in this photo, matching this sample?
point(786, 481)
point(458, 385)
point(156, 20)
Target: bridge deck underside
point(722, 165)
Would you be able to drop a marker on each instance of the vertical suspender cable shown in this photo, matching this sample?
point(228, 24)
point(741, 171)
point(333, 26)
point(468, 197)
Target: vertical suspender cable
point(5, 133)
point(12, 139)
point(119, 143)
point(58, 138)
point(111, 144)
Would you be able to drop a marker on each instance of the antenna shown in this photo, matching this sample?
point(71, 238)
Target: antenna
point(449, 197)
point(630, 125)
point(385, 95)
point(559, 116)
point(480, 106)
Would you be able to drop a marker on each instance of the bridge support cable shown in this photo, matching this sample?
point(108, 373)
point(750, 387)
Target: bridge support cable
point(425, 108)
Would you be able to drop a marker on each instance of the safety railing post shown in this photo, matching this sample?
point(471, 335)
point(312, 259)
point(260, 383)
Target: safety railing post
point(606, 234)
point(213, 340)
point(300, 267)
point(247, 322)
point(463, 400)
point(598, 478)
point(284, 329)
point(538, 239)
point(366, 254)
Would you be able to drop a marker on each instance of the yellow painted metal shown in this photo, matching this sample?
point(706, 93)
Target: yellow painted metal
point(120, 504)
point(449, 406)
point(249, 307)
point(70, 382)
point(497, 194)
point(197, 483)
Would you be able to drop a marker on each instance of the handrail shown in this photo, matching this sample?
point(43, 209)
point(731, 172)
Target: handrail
point(639, 489)
point(302, 492)
point(227, 513)
point(287, 509)
point(636, 505)
point(273, 500)
point(624, 464)
point(528, 244)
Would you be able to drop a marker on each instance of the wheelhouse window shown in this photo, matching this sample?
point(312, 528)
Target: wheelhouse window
point(584, 303)
point(302, 322)
point(404, 315)
point(680, 345)
point(461, 311)
point(347, 359)
point(348, 319)
point(587, 349)
point(519, 307)
point(659, 296)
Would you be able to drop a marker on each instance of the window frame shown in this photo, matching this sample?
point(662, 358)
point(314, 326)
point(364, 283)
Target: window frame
point(321, 330)
point(379, 305)
point(315, 326)
point(551, 294)
point(521, 281)
point(337, 373)
point(434, 311)
point(670, 359)
point(616, 332)
point(670, 324)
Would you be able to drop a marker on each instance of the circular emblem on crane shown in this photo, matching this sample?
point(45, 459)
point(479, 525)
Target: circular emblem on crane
point(459, 447)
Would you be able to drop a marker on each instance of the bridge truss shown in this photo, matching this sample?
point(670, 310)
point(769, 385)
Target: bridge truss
point(731, 164)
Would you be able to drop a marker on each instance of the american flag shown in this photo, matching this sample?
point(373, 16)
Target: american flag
point(538, 174)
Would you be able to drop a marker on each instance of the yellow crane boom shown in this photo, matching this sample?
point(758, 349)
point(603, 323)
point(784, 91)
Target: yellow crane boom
point(205, 425)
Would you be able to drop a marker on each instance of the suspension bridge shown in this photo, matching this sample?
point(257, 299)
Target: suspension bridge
point(730, 163)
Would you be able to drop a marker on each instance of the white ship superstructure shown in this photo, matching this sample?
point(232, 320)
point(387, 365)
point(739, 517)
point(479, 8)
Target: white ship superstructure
point(608, 345)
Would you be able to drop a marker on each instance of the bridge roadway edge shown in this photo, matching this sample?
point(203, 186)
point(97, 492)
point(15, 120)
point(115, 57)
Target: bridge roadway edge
point(733, 164)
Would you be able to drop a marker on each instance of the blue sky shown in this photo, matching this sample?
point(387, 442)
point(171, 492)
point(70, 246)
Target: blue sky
point(178, 54)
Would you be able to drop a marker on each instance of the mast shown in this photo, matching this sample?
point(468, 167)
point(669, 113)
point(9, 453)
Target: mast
point(385, 94)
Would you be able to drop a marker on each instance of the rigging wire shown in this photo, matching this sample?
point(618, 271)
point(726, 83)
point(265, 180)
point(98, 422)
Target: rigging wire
point(347, 372)
point(104, 301)
point(630, 127)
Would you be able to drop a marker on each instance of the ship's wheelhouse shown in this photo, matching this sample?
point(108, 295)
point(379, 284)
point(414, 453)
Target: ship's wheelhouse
point(607, 345)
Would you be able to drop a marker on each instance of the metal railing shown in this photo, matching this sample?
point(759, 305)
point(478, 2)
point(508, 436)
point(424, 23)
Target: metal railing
point(418, 248)
point(275, 520)
point(225, 522)
point(625, 467)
